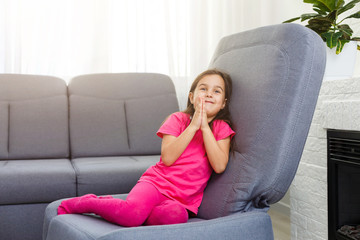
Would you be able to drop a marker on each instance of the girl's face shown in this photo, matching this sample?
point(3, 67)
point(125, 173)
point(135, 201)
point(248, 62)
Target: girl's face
point(211, 88)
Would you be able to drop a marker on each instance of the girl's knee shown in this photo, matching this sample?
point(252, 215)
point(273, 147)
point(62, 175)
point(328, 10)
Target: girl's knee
point(168, 212)
point(179, 213)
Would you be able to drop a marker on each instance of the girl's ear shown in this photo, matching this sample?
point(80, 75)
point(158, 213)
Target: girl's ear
point(191, 97)
point(224, 104)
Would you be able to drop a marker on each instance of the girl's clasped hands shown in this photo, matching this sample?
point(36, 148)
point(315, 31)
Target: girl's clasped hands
point(200, 119)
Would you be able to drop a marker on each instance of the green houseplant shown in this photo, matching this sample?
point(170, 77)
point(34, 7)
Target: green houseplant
point(325, 21)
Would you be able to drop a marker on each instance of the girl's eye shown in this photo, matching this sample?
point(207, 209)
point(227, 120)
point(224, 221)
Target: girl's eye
point(217, 91)
point(202, 89)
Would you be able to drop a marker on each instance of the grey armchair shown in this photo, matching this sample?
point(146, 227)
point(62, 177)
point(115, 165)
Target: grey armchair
point(277, 73)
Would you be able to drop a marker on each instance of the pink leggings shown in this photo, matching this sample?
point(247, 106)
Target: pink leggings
point(144, 205)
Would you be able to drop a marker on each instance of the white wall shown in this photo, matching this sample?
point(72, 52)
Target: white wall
point(308, 194)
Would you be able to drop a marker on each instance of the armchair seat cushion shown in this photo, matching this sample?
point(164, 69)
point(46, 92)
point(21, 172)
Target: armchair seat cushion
point(36, 181)
point(239, 226)
point(110, 175)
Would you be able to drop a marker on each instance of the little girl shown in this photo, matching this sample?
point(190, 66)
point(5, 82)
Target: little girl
point(194, 143)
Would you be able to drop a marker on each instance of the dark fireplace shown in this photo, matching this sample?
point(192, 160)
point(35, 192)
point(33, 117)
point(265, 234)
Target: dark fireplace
point(343, 184)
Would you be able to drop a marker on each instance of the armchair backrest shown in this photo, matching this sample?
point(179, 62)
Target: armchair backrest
point(277, 73)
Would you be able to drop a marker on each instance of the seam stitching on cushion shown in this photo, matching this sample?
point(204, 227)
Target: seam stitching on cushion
point(125, 99)
point(301, 103)
point(68, 124)
point(126, 126)
point(8, 136)
point(77, 174)
point(38, 98)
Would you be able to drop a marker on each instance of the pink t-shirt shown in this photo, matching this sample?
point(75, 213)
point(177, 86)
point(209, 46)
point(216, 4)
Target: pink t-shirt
point(186, 179)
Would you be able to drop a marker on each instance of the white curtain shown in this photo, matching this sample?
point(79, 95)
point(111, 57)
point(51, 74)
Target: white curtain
point(65, 38)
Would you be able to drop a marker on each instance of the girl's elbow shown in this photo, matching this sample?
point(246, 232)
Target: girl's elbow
point(221, 167)
point(219, 170)
point(168, 164)
point(167, 161)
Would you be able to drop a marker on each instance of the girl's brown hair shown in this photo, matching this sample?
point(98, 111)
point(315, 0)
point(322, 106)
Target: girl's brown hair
point(223, 114)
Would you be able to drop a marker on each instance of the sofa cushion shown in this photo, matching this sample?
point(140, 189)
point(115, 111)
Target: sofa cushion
point(142, 127)
point(38, 128)
point(34, 117)
point(98, 127)
point(110, 175)
point(119, 113)
point(36, 181)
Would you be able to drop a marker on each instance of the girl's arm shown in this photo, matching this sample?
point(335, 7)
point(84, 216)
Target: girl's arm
point(217, 151)
point(172, 147)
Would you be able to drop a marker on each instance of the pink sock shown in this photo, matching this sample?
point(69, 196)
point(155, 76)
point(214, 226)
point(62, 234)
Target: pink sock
point(75, 205)
point(129, 213)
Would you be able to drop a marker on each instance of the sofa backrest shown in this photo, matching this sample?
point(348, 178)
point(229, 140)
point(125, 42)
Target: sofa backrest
point(277, 73)
point(119, 113)
point(33, 117)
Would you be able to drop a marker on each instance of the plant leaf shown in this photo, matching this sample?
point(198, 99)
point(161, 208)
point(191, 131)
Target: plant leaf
point(355, 15)
point(332, 4)
point(319, 5)
point(291, 20)
point(332, 16)
point(356, 39)
point(319, 25)
point(331, 38)
point(339, 3)
point(348, 6)
point(346, 30)
point(307, 16)
point(340, 45)
point(318, 10)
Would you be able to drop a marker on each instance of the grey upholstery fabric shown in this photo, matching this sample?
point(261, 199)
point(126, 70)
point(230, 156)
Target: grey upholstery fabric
point(255, 225)
point(36, 181)
point(21, 221)
point(34, 117)
point(118, 114)
point(110, 175)
point(4, 127)
point(34, 147)
point(277, 73)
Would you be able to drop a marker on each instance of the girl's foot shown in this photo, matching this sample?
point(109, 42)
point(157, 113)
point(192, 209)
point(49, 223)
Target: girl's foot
point(75, 205)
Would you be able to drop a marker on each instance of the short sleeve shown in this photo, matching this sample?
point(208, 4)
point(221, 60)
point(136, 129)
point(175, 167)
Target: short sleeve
point(222, 130)
point(173, 125)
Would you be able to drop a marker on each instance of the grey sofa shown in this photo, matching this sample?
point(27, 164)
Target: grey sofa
point(96, 135)
point(277, 73)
